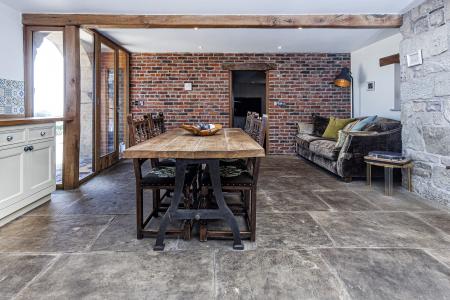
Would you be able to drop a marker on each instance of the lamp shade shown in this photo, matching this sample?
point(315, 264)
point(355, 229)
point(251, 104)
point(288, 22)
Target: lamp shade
point(344, 79)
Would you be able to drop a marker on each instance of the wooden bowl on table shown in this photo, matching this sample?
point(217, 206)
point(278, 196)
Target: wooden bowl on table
point(196, 130)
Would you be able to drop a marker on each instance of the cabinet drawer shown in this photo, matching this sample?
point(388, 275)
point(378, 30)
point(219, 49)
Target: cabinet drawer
point(41, 133)
point(12, 137)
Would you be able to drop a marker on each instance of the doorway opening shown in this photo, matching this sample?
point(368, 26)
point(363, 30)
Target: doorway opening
point(248, 93)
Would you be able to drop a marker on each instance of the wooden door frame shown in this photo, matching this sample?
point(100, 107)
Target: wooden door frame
point(266, 68)
point(103, 162)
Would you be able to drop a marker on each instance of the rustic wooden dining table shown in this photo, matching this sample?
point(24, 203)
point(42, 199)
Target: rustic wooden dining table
point(187, 149)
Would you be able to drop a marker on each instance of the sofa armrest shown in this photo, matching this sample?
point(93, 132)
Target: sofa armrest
point(351, 158)
point(361, 145)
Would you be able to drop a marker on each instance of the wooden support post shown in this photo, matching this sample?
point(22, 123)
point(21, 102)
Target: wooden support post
point(71, 107)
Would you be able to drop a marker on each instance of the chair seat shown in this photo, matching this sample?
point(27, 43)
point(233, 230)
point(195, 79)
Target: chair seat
point(237, 162)
point(169, 162)
point(230, 177)
point(165, 176)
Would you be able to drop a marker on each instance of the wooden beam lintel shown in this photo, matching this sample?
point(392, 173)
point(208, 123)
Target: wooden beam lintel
point(249, 66)
point(215, 21)
point(389, 60)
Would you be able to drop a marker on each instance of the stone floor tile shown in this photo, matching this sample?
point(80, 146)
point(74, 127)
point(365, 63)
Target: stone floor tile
point(51, 233)
point(394, 203)
point(389, 273)
point(442, 255)
point(60, 200)
point(17, 270)
point(274, 274)
point(289, 231)
point(120, 235)
point(345, 201)
point(379, 229)
point(290, 201)
point(440, 220)
point(124, 275)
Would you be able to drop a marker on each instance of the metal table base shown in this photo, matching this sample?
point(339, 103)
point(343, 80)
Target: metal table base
point(174, 213)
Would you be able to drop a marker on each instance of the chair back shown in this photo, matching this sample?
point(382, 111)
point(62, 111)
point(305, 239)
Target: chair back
point(259, 129)
point(251, 116)
point(139, 130)
point(158, 123)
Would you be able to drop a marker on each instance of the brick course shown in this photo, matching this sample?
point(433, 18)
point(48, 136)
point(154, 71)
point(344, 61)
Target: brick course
point(303, 81)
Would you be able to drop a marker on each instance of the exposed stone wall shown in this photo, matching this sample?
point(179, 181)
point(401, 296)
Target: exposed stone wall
point(425, 93)
point(303, 81)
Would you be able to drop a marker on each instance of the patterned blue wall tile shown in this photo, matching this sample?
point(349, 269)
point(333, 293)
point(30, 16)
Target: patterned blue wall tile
point(11, 97)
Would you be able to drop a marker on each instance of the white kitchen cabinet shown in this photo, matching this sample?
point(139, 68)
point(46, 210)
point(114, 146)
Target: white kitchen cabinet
point(27, 168)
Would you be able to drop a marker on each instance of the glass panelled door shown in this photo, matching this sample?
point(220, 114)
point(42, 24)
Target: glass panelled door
point(87, 104)
point(107, 106)
point(48, 83)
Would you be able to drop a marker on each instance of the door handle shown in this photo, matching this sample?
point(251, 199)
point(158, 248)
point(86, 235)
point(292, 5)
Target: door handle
point(31, 148)
point(43, 133)
point(28, 148)
point(9, 138)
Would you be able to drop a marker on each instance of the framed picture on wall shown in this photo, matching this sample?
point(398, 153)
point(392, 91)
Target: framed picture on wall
point(371, 86)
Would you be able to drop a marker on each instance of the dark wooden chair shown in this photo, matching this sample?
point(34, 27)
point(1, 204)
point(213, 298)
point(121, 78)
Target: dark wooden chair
point(242, 181)
point(249, 121)
point(156, 179)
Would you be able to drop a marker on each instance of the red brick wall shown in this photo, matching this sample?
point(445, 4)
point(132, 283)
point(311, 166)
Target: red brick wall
point(303, 81)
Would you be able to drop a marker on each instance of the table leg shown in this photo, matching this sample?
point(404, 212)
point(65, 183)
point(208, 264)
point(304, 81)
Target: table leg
point(388, 180)
point(410, 179)
point(180, 174)
point(228, 216)
point(369, 174)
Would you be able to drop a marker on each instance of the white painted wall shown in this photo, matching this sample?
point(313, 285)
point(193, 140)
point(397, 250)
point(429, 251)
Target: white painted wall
point(11, 53)
point(365, 68)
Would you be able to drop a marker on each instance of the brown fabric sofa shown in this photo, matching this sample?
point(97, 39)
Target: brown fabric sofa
point(348, 161)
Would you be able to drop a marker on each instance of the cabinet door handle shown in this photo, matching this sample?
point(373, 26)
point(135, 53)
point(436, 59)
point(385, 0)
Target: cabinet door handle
point(26, 149)
point(43, 133)
point(9, 138)
point(31, 148)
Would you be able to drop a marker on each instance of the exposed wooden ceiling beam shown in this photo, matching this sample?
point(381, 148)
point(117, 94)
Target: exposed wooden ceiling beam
point(389, 60)
point(215, 21)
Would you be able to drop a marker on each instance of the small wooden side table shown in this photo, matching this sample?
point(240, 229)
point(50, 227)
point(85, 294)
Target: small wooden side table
point(389, 166)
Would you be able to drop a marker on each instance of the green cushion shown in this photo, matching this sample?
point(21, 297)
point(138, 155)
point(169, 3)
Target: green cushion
point(334, 126)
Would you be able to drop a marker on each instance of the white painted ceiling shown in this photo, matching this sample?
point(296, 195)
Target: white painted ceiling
point(214, 6)
point(231, 40)
point(246, 40)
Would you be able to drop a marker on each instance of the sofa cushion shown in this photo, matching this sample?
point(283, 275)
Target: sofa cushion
point(364, 123)
point(334, 126)
point(319, 124)
point(305, 128)
point(304, 140)
point(325, 148)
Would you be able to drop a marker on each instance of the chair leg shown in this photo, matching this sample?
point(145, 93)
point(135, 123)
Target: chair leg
point(139, 212)
point(253, 215)
point(156, 202)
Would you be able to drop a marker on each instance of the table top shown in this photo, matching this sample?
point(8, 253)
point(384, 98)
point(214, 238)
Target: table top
point(387, 162)
point(178, 143)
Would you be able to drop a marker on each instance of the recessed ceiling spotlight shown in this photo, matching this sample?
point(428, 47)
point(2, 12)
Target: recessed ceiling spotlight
point(195, 28)
point(280, 47)
point(300, 28)
point(200, 47)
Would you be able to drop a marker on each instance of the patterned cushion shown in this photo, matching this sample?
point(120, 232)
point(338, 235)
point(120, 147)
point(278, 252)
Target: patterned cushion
point(166, 176)
point(243, 179)
point(305, 139)
point(325, 148)
point(305, 128)
point(237, 162)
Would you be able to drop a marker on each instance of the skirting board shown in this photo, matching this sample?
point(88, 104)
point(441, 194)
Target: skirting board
point(24, 210)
